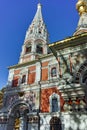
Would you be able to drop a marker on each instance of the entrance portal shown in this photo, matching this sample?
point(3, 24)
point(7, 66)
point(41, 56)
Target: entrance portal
point(55, 123)
point(18, 118)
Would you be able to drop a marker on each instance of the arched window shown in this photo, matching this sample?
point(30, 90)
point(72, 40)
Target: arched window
point(23, 79)
point(81, 75)
point(53, 72)
point(39, 49)
point(54, 103)
point(28, 49)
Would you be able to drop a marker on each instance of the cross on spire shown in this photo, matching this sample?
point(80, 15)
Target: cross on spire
point(38, 1)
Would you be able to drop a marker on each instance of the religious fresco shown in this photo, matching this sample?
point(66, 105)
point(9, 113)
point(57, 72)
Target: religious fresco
point(31, 98)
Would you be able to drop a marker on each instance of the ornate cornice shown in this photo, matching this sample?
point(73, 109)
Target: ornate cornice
point(70, 42)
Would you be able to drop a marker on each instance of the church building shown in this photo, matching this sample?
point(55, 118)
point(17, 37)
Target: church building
point(47, 88)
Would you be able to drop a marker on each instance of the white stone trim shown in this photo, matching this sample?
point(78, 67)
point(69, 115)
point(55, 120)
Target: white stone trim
point(70, 50)
point(10, 77)
point(53, 63)
point(38, 72)
point(23, 72)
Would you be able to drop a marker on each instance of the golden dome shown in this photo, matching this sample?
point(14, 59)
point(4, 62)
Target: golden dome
point(81, 6)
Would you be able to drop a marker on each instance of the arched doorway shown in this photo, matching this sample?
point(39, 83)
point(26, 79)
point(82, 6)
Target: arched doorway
point(18, 118)
point(55, 123)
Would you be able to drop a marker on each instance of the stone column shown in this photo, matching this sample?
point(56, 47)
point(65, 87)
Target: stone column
point(22, 123)
point(10, 124)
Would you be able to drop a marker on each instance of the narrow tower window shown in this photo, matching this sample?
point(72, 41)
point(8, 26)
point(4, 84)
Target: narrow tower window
point(39, 31)
point(39, 49)
point(28, 49)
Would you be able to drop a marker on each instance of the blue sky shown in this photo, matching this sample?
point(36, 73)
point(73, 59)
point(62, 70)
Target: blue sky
point(60, 16)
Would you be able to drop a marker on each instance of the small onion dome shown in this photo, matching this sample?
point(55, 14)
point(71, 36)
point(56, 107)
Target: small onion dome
point(81, 7)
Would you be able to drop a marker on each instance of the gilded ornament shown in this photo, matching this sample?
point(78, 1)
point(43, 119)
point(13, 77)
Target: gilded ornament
point(81, 6)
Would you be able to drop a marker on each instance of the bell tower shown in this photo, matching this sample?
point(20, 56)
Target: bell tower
point(36, 39)
point(81, 6)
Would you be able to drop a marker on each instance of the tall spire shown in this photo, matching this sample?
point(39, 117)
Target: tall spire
point(38, 15)
point(81, 6)
point(36, 39)
point(37, 28)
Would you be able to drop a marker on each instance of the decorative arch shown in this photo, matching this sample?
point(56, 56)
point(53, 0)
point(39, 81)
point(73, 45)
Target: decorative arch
point(81, 75)
point(18, 114)
point(55, 123)
point(54, 103)
point(40, 40)
point(16, 104)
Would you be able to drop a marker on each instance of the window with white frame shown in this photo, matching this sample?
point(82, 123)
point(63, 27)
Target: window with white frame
point(23, 79)
point(53, 70)
point(54, 103)
point(23, 76)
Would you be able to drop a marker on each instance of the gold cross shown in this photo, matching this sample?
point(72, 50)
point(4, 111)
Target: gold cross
point(38, 1)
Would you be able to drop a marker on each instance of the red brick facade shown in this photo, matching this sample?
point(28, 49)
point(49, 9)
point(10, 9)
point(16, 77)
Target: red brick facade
point(45, 95)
